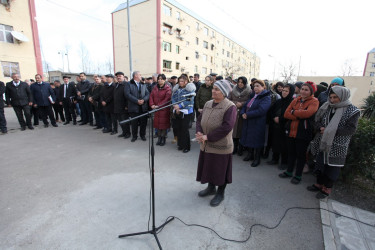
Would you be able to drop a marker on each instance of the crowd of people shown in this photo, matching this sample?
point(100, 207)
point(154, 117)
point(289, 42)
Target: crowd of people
point(303, 124)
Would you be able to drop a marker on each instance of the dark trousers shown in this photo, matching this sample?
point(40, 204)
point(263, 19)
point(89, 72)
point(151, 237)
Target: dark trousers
point(35, 114)
point(328, 176)
point(182, 130)
point(111, 121)
point(47, 111)
point(142, 124)
point(125, 127)
point(101, 121)
point(58, 111)
point(86, 111)
point(297, 149)
point(20, 112)
point(69, 109)
point(3, 121)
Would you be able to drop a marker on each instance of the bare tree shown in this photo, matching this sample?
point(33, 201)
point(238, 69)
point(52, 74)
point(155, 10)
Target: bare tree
point(288, 72)
point(85, 58)
point(347, 68)
point(231, 69)
point(109, 65)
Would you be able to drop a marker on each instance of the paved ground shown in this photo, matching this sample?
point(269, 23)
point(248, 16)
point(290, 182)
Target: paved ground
point(75, 188)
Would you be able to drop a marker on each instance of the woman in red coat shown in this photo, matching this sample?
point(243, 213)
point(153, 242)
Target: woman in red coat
point(160, 96)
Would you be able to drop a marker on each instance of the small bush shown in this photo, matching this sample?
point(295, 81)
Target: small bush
point(361, 154)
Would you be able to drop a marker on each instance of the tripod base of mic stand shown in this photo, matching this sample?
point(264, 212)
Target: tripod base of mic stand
point(153, 232)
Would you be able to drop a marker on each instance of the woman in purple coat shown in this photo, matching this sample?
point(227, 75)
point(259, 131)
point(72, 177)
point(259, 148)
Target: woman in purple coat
point(254, 113)
point(214, 133)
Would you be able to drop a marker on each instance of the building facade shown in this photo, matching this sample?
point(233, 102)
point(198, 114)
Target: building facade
point(168, 38)
point(19, 42)
point(370, 64)
point(360, 86)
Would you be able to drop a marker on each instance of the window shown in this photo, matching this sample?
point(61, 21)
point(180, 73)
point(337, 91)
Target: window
point(204, 70)
point(167, 46)
point(196, 54)
point(167, 28)
point(212, 59)
point(197, 26)
point(177, 49)
point(228, 43)
point(205, 31)
point(55, 78)
point(223, 51)
point(205, 44)
point(187, 43)
point(204, 58)
point(210, 71)
point(167, 10)
point(212, 33)
point(9, 68)
point(371, 74)
point(178, 15)
point(373, 65)
point(187, 58)
point(195, 69)
point(212, 47)
point(177, 65)
point(187, 27)
point(5, 35)
point(228, 54)
point(197, 41)
point(167, 64)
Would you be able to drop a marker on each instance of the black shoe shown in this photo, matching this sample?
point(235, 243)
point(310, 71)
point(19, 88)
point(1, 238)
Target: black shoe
point(82, 123)
point(295, 180)
point(185, 150)
point(92, 124)
point(55, 125)
point(36, 124)
point(210, 190)
point(217, 200)
point(250, 155)
point(266, 153)
point(46, 125)
point(285, 175)
point(67, 122)
point(162, 143)
point(143, 138)
point(4, 131)
point(79, 121)
point(256, 161)
point(127, 136)
point(30, 127)
point(113, 132)
point(134, 139)
point(121, 135)
point(159, 141)
point(313, 188)
point(179, 148)
point(74, 122)
point(107, 131)
point(98, 128)
point(272, 162)
point(23, 128)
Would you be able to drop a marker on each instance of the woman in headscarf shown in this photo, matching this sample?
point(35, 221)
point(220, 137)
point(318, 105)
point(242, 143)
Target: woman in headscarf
point(336, 122)
point(240, 94)
point(279, 146)
point(214, 133)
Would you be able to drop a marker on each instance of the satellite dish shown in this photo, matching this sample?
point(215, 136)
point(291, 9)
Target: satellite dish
point(19, 36)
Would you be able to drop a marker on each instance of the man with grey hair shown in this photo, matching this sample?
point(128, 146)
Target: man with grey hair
point(137, 94)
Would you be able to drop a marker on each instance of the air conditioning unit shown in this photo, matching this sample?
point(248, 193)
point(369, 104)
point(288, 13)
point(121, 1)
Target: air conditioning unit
point(180, 37)
point(170, 32)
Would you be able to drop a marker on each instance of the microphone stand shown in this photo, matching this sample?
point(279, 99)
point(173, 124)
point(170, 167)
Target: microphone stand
point(154, 229)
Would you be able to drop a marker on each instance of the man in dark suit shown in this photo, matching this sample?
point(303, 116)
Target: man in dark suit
point(106, 98)
point(43, 98)
point(59, 111)
point(121, 104)
point(68, 95)
point(94, 99)
point(3, 122)
point(19, 96)
point(137, 94)
point(83, 88)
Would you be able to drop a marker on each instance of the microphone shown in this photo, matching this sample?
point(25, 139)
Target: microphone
point(189, 95)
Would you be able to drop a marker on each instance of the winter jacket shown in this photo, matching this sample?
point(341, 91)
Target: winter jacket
point(19, 96)
point(133, 94)
point(254, 127)
point(119, 99)
point(106, 95)
point(41, 92)
point(177, 95)
point(161, 96)
point(204, 95)
point(301, 113)
point(84, 87)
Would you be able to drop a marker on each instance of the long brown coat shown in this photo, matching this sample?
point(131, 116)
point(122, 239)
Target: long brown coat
point(237, 96)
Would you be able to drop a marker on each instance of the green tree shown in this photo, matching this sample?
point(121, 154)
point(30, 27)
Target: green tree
point(369, 106)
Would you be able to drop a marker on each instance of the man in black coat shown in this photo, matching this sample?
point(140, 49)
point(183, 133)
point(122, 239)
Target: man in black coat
point(19, 96)
point(106, 98)
point(67, 99)
point(83, 88)
point(94, 99)
point(59, 111)
point(121, 104)
point(137, 94)
point(3, 121)
point(43, 97)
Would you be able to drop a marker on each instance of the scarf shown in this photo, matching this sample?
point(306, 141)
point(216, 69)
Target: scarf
point(330, 130)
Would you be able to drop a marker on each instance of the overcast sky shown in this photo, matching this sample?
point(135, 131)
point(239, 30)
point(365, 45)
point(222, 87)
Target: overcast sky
point(320, 35)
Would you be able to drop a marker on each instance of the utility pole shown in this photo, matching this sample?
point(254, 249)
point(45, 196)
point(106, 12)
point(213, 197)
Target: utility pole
point(62, 59)
point(67, 57)
point(130, 42)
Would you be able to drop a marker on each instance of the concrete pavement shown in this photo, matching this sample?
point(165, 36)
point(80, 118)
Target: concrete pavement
point(72, 187)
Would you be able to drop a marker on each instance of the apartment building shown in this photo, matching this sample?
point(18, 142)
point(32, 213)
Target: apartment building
point(19, 42)
point(168, 38)
point(370, 64)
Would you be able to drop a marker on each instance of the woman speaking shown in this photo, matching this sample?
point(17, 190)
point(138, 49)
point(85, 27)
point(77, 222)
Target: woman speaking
point(214, 133)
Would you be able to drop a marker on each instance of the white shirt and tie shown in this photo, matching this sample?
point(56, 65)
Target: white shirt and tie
point(65, 89)
point(16, 84)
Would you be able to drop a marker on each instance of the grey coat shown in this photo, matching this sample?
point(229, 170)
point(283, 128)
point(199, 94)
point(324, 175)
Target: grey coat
point(239, 96)
point(133, 95)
